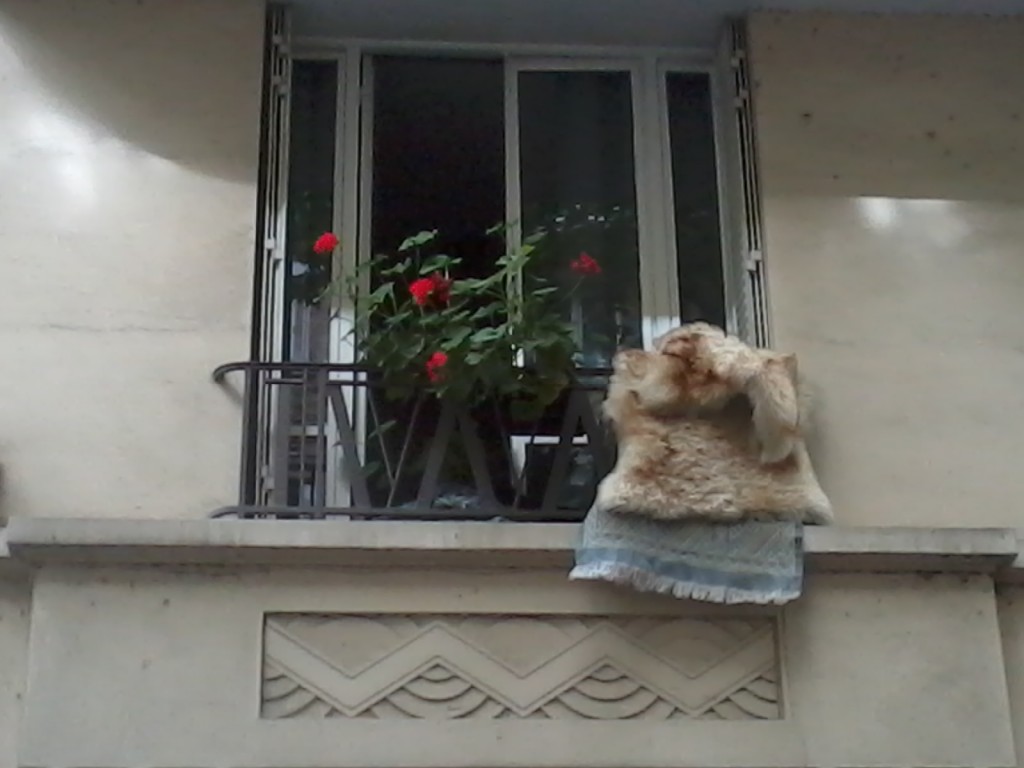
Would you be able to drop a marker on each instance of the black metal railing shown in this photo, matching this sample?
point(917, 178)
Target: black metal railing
point(324, 441)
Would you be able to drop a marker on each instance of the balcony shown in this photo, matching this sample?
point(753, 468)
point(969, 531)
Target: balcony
point(325, 441)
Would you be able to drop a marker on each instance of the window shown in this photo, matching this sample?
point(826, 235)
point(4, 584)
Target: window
point(624, 157)
point(615, 158)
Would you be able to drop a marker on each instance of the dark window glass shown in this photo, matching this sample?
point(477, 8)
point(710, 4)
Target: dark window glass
point(695, 194)
point(310, 206)
point(439, 154)
point(578, 182)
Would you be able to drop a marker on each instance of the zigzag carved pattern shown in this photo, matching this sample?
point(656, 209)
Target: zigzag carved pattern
point(436, 667)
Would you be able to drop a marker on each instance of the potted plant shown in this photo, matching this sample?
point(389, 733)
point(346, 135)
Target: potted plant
point(498, 343)
point(502, 336)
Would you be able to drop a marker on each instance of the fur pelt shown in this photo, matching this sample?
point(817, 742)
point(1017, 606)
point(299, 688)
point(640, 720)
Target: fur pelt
point(709, 427)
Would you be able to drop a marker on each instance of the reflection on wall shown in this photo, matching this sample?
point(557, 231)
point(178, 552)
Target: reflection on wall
point(128, 151)
point(892, 156)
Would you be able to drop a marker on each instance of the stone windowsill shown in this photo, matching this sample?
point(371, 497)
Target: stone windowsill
point(42, 541)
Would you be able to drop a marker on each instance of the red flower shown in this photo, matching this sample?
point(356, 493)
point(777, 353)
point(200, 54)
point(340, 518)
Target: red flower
point(434, 366)
point(421, 290)
point(436, 286)
point(326, 243)
point(585, 265)
point(442, 287)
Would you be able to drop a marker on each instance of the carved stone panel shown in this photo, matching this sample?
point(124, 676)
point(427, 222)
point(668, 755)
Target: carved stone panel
point(524, 667)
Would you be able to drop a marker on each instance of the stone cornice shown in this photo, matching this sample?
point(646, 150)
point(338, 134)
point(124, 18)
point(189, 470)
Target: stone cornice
point(383, 544)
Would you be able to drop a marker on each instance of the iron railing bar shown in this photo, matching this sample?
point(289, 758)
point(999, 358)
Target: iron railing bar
point(303, 408)
point(266, 447)
point(596, 436)
point(279, 448)
point(475, 452)
point(508, 450)
point(265, 425)
point(481, 514)
point(405, 450)
point(379, 434)
point(531, 442)
point(435, 455)
point(349, 450)
point(320, 470)
point(283, 381)
point(250, 469)
point(223, 370)
point(563, 452)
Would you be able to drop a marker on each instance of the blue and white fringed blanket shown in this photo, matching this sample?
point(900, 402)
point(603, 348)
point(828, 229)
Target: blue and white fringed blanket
point(748, 562)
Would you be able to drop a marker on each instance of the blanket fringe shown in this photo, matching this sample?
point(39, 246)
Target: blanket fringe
point(648, 582)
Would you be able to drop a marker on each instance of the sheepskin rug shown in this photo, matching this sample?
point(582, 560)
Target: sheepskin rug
point(709, 428)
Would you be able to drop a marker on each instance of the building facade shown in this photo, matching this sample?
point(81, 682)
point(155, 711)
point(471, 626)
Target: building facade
point(862, 162)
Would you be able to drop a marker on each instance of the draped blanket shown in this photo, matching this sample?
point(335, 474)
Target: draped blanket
point(747, 562)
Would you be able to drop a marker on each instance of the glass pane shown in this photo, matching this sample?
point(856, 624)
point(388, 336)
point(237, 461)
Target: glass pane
point(695, 192)
point(310, 206)
point(310, 213)
point(439, 155)
point(438, 163)
point(577, 180)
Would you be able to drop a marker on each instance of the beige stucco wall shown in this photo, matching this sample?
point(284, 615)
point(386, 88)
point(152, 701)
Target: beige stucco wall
point(148, 667)
point(15, 611)
point(1011, 623)
point(128, 135)
point(128, 165)
point(892, 153)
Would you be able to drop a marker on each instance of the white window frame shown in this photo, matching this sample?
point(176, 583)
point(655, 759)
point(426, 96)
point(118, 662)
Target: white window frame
point(657, 257)
point(658, 264)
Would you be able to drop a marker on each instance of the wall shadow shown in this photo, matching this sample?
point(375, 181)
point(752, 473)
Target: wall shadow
point(179, 80)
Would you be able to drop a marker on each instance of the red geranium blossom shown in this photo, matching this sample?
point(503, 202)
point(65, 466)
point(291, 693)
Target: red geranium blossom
point(421, 290)
point(326, 243)
point(434, 366)
point(585, 265)
point(426, 288)
point(442, 287)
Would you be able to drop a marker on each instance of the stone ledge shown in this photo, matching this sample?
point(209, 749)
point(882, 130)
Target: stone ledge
point(10, 568)
point(41, 541)
point(1013, 572)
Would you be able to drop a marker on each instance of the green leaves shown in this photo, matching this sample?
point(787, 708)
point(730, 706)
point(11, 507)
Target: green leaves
point(396, 269)
point(485, 335)
point(417, 240)
point(385, 291)
point(536, 237)
point(485, 326)
point(456, 338)
point(438, 263)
